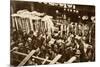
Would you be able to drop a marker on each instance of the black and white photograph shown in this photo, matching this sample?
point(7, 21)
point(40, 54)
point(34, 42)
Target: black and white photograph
point(45, 33)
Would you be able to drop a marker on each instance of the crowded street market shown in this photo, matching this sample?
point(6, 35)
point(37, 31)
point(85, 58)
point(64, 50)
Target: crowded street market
point(51, 33)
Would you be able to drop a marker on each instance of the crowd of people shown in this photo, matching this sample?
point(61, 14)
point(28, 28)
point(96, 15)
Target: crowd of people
point(76, 39)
